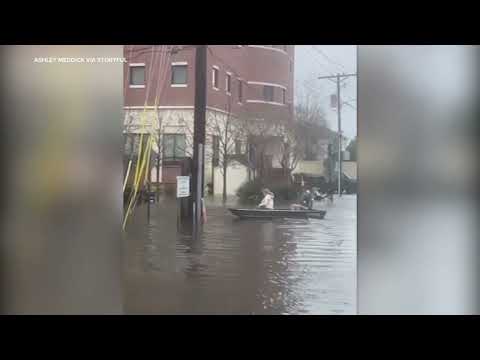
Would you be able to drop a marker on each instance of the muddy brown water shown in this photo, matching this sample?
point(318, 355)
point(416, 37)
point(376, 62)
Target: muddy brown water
point(241, 266)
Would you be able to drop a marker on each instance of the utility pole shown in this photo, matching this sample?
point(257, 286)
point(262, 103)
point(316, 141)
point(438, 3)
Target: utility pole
point(339, 116)
point(158, 161)
point(199, 132)
point(338, 78)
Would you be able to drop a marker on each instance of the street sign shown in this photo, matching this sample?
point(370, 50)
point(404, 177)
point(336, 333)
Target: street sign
point(183, 186)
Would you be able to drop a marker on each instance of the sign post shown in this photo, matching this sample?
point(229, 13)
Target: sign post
point(183, 191)
point(199, 191)
point(183, 186)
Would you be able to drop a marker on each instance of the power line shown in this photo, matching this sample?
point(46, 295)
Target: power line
point(319, 62)
point(136, 52)
point(235, 71)
point(350, 105)
point(173, 48)
point(231, 68)
point(350, 100)
point(316, 91)
point(328, 58)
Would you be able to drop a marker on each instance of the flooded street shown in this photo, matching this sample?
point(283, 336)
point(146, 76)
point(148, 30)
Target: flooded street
point(242, 266)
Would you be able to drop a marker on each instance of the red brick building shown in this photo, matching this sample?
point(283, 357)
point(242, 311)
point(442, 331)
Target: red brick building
point(160, 81)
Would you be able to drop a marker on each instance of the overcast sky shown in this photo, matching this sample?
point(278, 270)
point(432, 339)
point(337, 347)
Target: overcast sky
point(320, 60)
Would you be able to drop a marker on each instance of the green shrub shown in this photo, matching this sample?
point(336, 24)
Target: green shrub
point(285, 192)
point(250, 191)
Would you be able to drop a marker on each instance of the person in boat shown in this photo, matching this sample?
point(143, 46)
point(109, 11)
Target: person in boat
point(306, 202)
point(317, 195)
point(331, 191)
point(267, 201)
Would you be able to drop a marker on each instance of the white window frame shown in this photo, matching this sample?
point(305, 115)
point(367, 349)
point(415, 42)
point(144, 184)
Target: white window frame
point(265, 102)
point(266, 83)
point(137, 65)
point(229, 76)
point(213, 77)
point(179, 63)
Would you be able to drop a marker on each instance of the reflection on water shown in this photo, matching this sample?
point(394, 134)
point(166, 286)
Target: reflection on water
point(242, 267)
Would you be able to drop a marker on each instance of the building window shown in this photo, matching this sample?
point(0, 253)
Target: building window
point(132, 145)
point(215, 78)
point(228, 83)
point(173, 146)
point(238, 147)
point(137, 75)
point(240, 90)
point(216, 150)
point(179, 74)
point(284, 96)
point(268, 93)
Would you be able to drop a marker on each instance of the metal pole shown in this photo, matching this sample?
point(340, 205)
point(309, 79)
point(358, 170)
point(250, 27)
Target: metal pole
point(158, 165)
point(148, 199)
point(199, 129)
point(339, 114)
point(198, 200)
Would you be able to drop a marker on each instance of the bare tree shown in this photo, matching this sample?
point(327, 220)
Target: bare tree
point(292, 133)
point(182, 123)
point(262, 130)
point(133, 150)
point(308, 108)
point(226, 130)
point(292, 147)
point(134, 126)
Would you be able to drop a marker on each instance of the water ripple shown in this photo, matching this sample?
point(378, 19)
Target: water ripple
point(243, 267)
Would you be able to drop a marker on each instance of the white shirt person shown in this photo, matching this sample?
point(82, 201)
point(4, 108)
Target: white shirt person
point(267, 201)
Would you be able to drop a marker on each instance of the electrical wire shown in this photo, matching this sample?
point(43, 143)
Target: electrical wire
point(234, 71)
point(318, 61)
point(328, 58)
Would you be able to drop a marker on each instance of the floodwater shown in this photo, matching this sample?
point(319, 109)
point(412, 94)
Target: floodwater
point(242, 266)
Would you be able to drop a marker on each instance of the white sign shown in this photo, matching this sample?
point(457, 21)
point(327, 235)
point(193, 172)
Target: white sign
point(183, 186)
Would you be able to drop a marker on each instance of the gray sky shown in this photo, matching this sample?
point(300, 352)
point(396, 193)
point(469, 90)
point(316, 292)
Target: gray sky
point(320, 60)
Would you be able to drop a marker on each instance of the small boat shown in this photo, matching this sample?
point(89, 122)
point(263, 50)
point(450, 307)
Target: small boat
point(277, 213)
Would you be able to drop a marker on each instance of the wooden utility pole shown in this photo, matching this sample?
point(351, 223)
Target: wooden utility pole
point(199, 132)
point(338, 78)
